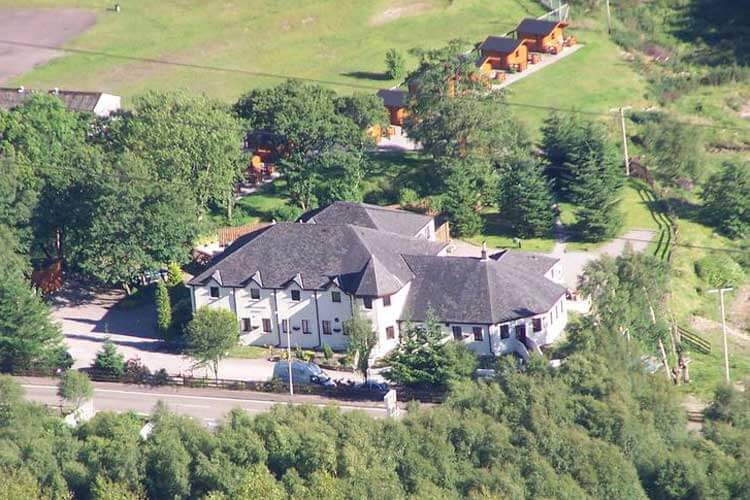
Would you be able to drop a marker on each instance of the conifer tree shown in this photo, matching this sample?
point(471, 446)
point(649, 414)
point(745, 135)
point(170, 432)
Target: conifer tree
point(526, 199)
point(163, 309)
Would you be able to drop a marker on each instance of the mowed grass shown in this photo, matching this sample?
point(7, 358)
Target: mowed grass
point(259, 42)
point(595, 79)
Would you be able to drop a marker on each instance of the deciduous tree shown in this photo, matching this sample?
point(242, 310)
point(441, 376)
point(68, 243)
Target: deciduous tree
point(210, 335)
point(75, 387)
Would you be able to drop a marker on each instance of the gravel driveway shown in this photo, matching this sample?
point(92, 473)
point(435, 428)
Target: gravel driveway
point(88, 318)
point(48, 27)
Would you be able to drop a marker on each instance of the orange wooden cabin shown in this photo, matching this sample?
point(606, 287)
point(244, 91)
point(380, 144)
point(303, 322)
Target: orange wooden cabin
point(541, 36)
point(500, 52)
point(395, 103)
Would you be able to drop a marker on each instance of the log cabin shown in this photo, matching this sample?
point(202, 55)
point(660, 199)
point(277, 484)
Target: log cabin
point(499, 52)
point(395, 103)
point(541, 36)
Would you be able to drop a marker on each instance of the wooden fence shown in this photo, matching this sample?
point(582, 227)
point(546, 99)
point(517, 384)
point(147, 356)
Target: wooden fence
point(228, 234)
point(342, 392)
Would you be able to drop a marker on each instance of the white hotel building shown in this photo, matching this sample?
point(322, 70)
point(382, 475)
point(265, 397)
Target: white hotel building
point(306, 278)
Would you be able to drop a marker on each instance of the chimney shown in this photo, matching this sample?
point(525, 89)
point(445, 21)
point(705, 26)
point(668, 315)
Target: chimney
point(484, 252)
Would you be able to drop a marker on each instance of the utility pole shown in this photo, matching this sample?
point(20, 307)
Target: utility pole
point(625, 154)
point(609, 19)
point(721, 291)
point(289, 361)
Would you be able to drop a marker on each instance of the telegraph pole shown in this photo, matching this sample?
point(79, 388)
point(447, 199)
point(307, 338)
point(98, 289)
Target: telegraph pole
point(625, 154)
point(609, 19)
point(721, 291)
point(289, 361)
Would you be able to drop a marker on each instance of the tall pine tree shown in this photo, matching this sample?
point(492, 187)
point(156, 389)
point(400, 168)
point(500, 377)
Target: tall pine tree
point(525, 201)
point(28, 337)
point(596, 191)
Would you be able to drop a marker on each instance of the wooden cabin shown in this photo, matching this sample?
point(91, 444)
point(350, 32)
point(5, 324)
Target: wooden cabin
point(395, 103)
point(500, 52)
point(541, 36)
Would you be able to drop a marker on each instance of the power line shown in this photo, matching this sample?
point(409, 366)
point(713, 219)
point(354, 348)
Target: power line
point(186, 65)
point(608, 115)
point(280, 76)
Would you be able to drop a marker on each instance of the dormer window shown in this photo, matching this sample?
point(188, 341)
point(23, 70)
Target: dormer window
point(295, 295)
point(367, 302)
point(335, 296)
point(386, 300)
point(255, 293)
point(214, 291)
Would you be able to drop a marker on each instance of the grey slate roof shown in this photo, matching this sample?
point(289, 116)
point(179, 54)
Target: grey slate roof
point(469, 290)
point(362, 260)
point(502, 44)
point(532, 262)
point(74, 101)
point(536, 26)
point(371, 216)
point(393, 98)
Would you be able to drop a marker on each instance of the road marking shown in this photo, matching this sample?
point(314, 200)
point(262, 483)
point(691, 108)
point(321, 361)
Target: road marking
point(214, 398)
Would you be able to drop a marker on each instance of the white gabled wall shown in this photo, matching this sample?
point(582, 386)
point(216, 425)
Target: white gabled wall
point(295, 312)
point(553, 324)
point(336, 313)
point(383, 316)
point(256, 310)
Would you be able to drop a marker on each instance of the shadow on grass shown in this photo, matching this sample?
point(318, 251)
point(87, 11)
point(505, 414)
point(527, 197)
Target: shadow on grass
point(688, 210)
point(367, 75)
point(495, 226)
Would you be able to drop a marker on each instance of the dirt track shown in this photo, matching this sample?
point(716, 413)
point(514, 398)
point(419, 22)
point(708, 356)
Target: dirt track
point(51, 27)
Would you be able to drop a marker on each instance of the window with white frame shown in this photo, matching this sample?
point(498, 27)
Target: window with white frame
point(326, 327)
point(246, 324)
point(306, 326)
point(214, 292)
point(255, 293)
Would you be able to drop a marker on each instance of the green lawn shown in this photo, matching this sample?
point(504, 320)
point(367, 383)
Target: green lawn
point(343, 43)
point(247, 352)
point(707, 370)
point(593, 80)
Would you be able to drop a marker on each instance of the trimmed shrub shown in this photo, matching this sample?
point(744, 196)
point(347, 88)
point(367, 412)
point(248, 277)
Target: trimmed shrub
point(327, 351)
point(109, 361)
point(163, 309)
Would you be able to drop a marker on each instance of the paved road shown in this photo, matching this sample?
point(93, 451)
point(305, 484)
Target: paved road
point(205, 405)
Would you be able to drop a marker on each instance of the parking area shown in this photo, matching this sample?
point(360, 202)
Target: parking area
point(25, 35)
point(88, 317)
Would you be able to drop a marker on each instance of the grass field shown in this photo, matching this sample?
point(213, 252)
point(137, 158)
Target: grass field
point(342, 43)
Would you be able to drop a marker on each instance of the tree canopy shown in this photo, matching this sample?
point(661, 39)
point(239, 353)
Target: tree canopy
point(726, 199)
point(210, 335)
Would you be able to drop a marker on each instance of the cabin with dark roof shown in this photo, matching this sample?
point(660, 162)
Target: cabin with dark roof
point(394, 101)
point(541, 36)
point(500, 52)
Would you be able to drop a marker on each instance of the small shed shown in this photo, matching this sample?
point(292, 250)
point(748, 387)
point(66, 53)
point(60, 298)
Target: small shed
point(395, 102)
point(540, 35)
point(500, 52)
